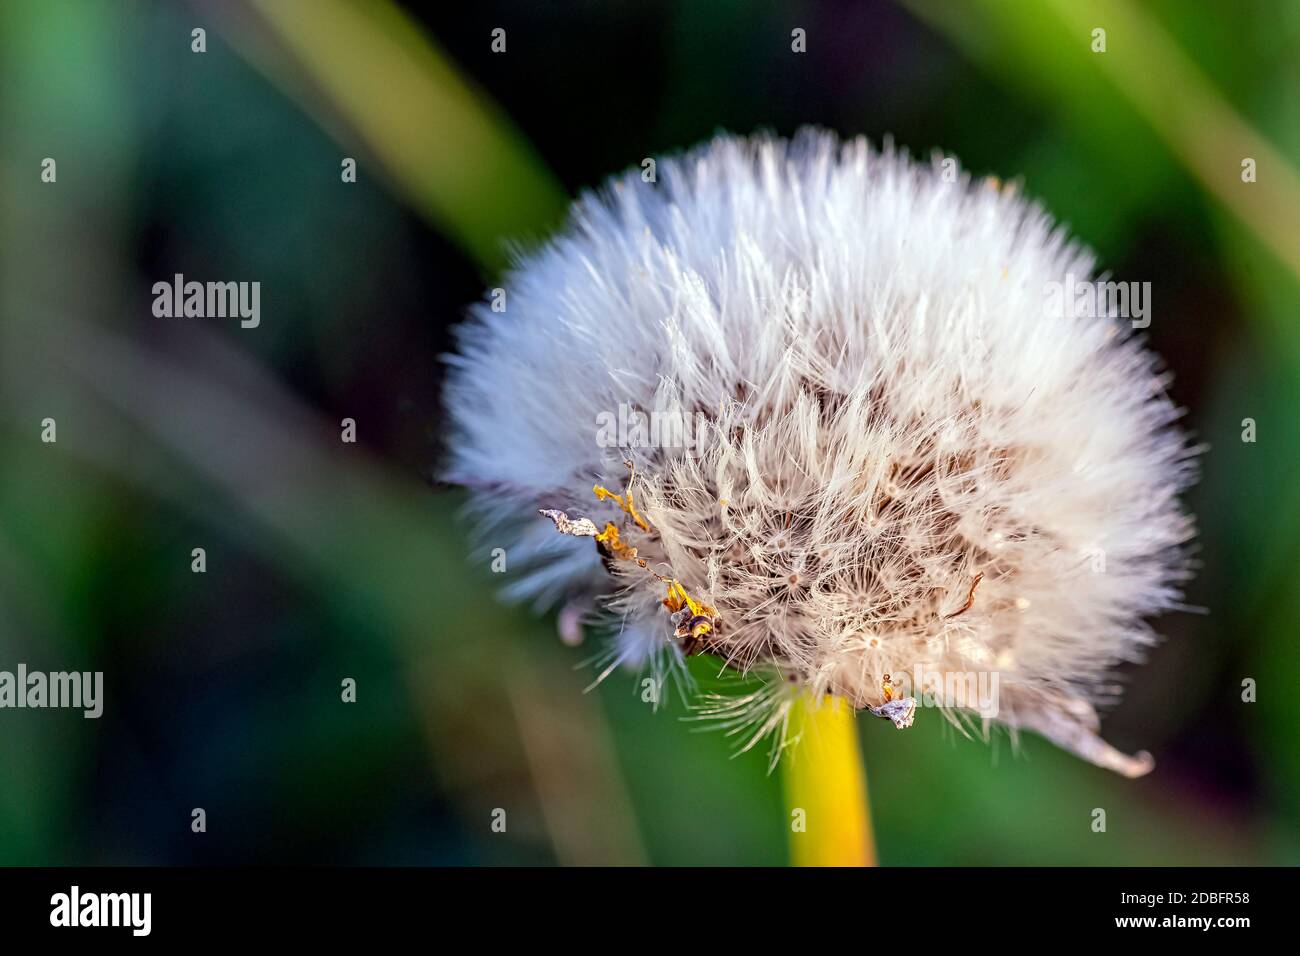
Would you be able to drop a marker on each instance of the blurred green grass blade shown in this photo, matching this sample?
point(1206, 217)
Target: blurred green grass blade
point(1142, 72)
point(1196, 121)
point(62, 95)
point(457, 158)
point(367, 539)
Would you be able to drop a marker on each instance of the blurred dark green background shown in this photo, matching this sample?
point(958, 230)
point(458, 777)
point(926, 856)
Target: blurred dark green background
point(329, 560)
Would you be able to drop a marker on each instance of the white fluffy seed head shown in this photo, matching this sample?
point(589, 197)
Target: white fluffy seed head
point(878, 452)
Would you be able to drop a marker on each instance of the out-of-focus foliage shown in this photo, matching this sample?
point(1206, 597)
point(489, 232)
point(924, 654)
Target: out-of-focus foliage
point(329, 560)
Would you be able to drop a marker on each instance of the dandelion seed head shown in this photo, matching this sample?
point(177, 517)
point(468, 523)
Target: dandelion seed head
point(903, 459)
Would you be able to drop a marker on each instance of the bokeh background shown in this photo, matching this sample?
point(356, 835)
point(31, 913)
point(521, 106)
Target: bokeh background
point(328, 560)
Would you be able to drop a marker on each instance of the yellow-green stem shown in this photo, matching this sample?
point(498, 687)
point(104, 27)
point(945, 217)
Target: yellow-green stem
point(826, 787)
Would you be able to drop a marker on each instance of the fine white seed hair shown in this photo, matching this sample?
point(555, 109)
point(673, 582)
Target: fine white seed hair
point(876, 444)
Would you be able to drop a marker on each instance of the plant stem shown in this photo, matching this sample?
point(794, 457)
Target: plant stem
point(824, 778)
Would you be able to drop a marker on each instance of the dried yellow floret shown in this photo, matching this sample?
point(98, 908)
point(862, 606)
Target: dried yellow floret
point(623, 501)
